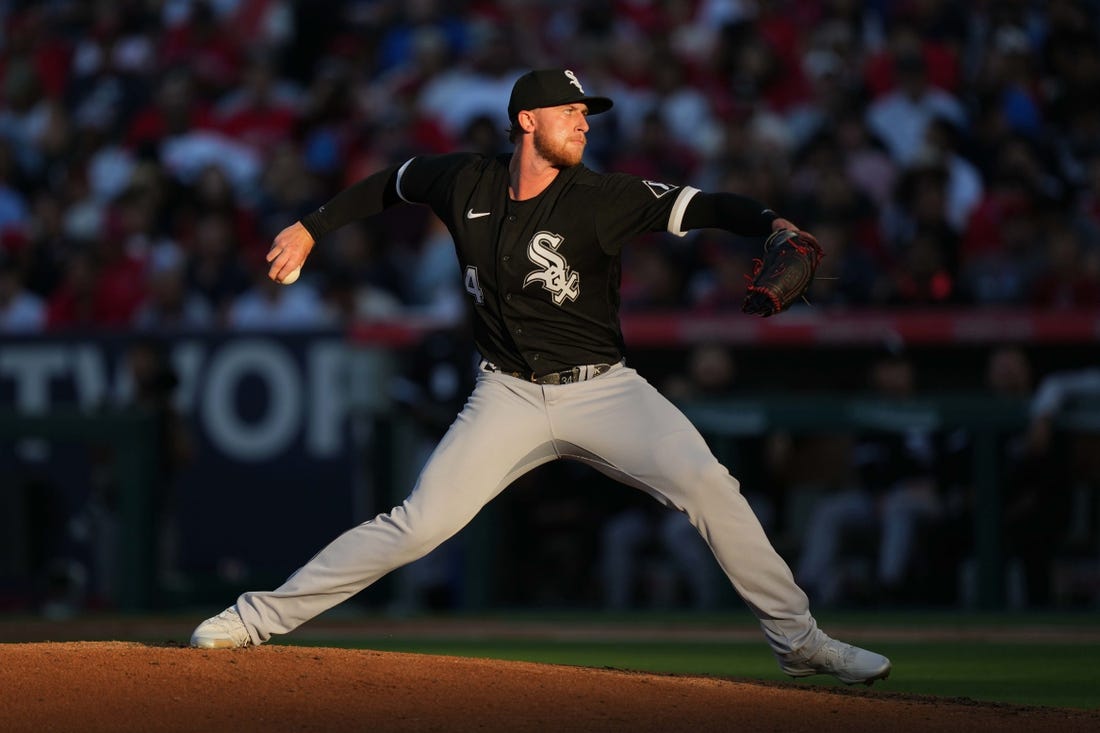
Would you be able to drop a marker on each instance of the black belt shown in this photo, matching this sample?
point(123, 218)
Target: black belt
point(565, 376)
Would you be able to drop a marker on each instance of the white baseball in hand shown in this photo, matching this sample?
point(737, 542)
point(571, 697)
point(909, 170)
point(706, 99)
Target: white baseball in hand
point(291, 276)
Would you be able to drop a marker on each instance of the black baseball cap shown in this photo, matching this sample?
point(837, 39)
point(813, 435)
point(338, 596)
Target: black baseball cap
point(551, 88)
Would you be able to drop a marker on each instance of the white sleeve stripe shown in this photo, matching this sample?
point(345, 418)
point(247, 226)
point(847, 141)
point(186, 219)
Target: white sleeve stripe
point(401, 172)
point(676, 217)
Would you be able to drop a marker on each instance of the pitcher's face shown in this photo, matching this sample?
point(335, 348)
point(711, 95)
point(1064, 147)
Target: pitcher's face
point(560, 133)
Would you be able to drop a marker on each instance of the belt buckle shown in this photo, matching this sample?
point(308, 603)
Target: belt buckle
point(566, 376)
point(569, 376)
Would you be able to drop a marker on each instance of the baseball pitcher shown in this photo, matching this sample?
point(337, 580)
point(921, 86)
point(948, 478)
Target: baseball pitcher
point(539, 238)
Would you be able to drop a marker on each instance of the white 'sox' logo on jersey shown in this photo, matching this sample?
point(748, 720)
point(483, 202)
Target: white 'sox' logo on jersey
point(556, 275)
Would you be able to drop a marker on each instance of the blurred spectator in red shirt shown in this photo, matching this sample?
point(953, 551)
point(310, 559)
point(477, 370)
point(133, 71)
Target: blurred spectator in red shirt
point(923, 275)
point(75, 303)
point(908, 48)
point(1019, 181)
point(263, 111)
point(175, 109)
point(203, 43)
point(120, 283)
point(1070, 277)
point(103, 283)
point(30, 33)
point(999, 258)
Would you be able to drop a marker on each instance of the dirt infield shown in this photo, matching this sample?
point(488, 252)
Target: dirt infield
point(126, 686)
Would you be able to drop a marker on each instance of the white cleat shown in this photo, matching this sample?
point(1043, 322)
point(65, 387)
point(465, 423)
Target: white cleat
point(224, 631)
point(849, 664)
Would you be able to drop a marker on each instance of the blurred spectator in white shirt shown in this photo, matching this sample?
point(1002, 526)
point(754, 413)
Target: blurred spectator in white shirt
point(901, 117)
point(267, 305)
point(965, 187)
point(455, 98)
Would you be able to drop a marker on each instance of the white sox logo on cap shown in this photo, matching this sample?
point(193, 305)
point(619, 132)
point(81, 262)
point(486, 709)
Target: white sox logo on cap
point(574, 80)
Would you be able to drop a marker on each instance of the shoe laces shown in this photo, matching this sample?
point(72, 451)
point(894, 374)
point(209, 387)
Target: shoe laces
point(835, 655)
point(230, 622)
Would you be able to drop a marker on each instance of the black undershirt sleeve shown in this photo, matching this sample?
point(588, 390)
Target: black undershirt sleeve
point(365, 198)
point(730, 211)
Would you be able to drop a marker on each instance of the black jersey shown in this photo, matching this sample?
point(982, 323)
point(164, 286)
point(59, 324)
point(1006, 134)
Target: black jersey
point(544, 273)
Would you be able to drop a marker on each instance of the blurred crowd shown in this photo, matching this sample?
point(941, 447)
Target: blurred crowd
point(945, 153)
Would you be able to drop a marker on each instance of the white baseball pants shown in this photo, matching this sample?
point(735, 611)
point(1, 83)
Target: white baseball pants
point(617, 423)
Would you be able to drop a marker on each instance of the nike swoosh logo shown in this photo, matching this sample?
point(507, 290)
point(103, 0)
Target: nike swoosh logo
point(471, 214)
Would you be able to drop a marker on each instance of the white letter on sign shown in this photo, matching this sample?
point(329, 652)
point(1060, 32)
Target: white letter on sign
point(273, 432)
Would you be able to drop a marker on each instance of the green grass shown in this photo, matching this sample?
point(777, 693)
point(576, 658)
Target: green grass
point(1022, 672)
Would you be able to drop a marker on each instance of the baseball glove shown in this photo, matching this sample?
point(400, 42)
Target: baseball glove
point(783, 274)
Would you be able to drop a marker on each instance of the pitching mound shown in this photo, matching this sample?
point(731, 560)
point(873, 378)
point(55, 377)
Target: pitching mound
point(116, 686)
